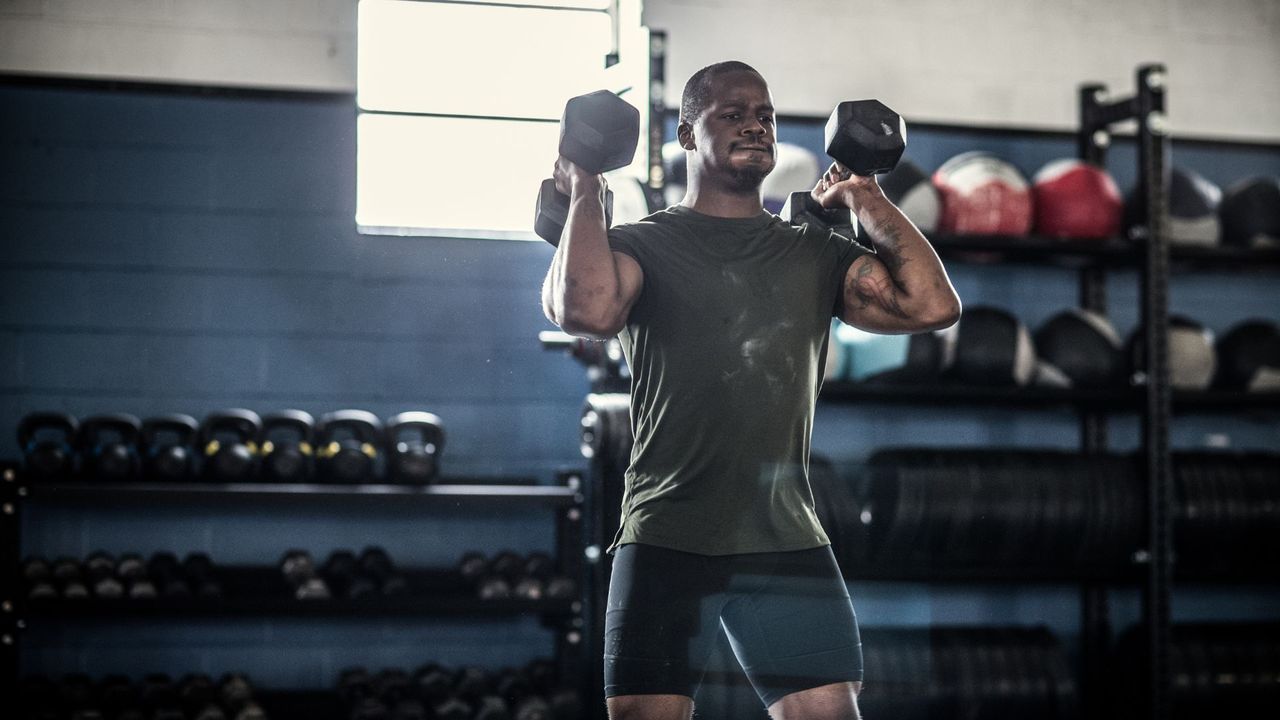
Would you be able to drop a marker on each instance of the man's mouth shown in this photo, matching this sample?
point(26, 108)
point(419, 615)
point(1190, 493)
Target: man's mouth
point(759, 148)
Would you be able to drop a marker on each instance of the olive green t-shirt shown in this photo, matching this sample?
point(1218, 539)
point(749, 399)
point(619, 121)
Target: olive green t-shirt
point(726, 346)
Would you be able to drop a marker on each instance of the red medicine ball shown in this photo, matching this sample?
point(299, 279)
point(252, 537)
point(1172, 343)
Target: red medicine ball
point(1075, 199)
point(982, 195)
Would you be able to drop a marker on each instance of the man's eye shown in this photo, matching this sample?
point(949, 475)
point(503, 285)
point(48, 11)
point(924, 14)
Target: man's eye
point(731, 116)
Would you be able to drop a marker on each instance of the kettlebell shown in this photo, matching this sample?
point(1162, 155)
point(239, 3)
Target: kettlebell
point(285, 445)
point(166, 447)
point(230, 448)
point(414, 442)
point(348, 446)
point(109, 447)
point(48, 442)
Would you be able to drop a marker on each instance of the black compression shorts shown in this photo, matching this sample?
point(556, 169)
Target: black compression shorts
point(787, 615)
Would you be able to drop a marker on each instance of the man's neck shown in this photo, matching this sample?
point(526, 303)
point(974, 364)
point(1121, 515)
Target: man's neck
point(723, 203)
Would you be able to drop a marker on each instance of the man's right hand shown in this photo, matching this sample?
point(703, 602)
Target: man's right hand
point(570, 177)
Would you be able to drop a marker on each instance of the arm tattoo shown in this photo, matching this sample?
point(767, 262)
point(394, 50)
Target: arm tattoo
point(887, 238)
point(867, 289)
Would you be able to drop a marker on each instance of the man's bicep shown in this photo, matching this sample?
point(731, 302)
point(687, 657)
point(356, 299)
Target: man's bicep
point(871, 299)
point(630, 281)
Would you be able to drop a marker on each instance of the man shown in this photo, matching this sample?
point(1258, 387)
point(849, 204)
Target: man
point(724, 313)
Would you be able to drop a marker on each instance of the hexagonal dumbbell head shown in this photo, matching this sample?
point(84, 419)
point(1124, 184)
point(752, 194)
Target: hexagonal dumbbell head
point(599, 131)
point(866, 137)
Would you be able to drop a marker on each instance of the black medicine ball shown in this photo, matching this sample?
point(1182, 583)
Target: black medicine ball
point(993, 348)
point(1250, 213)
point(1193, 209)
point(1192, 360)
point(1084, 346)
point(911, 189)
point(1249, 357)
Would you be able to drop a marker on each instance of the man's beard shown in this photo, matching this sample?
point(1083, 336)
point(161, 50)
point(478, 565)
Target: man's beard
point(748, 179)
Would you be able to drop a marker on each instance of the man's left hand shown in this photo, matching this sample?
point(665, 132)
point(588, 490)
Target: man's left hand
point(839, 187)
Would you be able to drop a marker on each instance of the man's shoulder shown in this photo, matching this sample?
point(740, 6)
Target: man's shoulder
point(653, 226)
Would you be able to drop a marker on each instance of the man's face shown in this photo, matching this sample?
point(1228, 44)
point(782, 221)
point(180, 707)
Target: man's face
point(734, 135)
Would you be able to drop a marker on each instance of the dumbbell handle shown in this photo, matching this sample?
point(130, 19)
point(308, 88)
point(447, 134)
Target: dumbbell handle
point(552, 212)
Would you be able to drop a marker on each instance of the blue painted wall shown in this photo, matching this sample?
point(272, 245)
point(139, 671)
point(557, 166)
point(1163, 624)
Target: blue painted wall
point(183, 253)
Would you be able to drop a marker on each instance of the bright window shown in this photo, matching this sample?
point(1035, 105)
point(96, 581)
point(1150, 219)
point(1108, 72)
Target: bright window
point(460, 104)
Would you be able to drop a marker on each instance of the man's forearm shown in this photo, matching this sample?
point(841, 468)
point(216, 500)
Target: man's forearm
point(904, 251)
point(584, 274)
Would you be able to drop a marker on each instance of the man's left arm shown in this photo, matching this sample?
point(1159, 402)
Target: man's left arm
point(902, 287)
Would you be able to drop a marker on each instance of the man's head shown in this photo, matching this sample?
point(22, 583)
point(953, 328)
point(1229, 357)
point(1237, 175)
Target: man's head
point(727, 125)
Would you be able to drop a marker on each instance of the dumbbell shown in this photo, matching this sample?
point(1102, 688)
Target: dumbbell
point(354, 685)
point(132, 571)
point(533, 707)
point(342, 572)
point(196, 692)
point(159, 696)
point(117, 695)
point(493, 578)
point(376, 565)
point(512, 685)
point(166, 447)
point(229, 439)
point(299, 573)
point(472, 683)
point(37, 574)
point(867, 138)
point(48, 441)
point(348, 446)
point(599, 132)
point(560, 587)
point(536, 569)
point(452, 709)
point(566, 705)
point(801, 209)
point(286, 444)
point(473, 566)
point(432, 684)
point(392, 685)
point(108, 447)
point(235, 694)
point(166, 573)
point(414, 441)
point(492, 707)
point(100, 574)
point(541, 675)
point(69, 576)
point(200, 573)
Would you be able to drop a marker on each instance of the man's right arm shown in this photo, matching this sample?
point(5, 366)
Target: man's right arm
point(589, 289)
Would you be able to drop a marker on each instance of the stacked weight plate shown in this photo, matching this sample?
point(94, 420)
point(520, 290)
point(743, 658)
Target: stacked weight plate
point(1227, 516)
point(922, 509)
point(966, 672)
point(1224, 670)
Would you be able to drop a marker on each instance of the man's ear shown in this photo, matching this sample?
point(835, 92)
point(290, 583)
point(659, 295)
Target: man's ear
point(684, 133)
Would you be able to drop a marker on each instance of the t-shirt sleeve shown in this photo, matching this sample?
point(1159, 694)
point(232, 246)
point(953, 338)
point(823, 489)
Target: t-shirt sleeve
point(626, 240)
point(841, 252)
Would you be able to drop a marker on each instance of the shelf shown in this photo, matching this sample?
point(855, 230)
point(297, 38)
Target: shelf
point(1055, 576)
point(988, 249)
point(1036, 250)
point(942, 394)
point(261, 591)
point(1121, 400)
point(453, 491)
point(1224, 401)
point(1225, 258)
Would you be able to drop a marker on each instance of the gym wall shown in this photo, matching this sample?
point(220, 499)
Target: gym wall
point(1003, 63)
point(187, 251)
